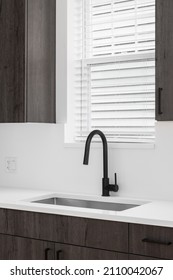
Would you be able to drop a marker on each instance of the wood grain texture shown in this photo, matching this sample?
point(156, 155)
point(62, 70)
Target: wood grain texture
point(65, 229)
point(12, 60)
point(82, 238)
point(137, 233)
point(69, 252)
point(46, 227)
point(3, 221)
point(107, 235)
point(27, 60)
point(164, 59)
point(41, 61)
point(140, 257)
point(17, 248)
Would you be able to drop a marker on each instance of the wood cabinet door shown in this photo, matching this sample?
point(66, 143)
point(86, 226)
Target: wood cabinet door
point(164, 60)
point(27, 61)
point(69, 252)
point(12, 60)
point(40, 73)
point(17, 248)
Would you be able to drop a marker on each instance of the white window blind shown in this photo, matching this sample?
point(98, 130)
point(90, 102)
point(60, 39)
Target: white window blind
point(115, 75)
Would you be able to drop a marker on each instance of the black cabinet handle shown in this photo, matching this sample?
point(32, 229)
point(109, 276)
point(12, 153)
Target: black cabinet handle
point(59, 255)
point(147, 240)
point(49, 254)
point(160, 101)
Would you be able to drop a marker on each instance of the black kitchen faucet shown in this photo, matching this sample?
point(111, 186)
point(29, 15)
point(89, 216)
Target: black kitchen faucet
point(106, 187)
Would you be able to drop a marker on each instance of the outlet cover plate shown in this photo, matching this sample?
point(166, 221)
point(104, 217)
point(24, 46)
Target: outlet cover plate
point(11, 164)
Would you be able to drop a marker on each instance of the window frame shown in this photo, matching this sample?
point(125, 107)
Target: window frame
point(70, 143)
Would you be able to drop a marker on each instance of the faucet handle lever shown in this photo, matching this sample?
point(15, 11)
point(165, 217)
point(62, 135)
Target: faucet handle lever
point(115, 178)
point(116, 186)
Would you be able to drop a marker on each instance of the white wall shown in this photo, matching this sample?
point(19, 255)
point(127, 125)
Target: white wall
point(44, 163)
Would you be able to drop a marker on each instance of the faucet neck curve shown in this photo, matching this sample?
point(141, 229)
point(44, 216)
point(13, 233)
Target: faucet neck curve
point(105, 150)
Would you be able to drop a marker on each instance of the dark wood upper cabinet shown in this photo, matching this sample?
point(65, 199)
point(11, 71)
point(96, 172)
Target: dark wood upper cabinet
point(164, 60)
point(27, 60)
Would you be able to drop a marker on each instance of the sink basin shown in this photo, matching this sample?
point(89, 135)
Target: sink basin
point(86, 203)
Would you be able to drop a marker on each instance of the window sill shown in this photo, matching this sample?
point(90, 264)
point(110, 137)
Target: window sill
point(141, 146)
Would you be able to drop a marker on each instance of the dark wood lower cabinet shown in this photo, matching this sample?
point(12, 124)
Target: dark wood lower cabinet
point(139, 257)
point(18, 248)
point(37, 236)
point(151, 241)
point(74, 238)
point(68, 252)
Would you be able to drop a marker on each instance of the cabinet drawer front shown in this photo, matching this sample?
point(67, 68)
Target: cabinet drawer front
point(151, 241)
point(42, 226)
point(107, 235)
point(65, 229)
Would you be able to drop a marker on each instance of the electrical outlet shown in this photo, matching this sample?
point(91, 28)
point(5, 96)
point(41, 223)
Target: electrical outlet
point(11, 164)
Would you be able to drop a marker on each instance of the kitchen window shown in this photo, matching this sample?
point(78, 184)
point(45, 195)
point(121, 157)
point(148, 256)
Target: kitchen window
point(114, 70)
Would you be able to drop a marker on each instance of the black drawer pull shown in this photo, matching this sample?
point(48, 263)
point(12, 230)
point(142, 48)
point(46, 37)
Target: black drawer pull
point(58, 254)
point(160, 101)
point(147, 240)
point(47, 251)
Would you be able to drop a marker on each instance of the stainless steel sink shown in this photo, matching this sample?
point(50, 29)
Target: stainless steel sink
point(86, 203)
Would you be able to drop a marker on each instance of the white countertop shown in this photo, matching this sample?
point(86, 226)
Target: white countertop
point(159, 213)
